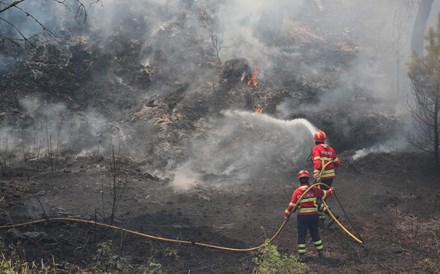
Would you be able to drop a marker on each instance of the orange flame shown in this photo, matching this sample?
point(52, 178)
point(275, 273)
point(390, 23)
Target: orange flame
point(258, 108)
point(253, 78)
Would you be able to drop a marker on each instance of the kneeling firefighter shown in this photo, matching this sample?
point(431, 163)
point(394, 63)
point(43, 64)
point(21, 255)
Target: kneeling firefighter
point(307, 213)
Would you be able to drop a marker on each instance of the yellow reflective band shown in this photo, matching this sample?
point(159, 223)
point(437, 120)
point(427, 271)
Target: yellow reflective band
point(310, 209)
point(291, 204)
point(328, 173)
point(325, 195)
point(317, 158)
point(336, 159)
point(287, 211)
point(318, 242)
point(307, 200)
point(321, 247)
point(301, 245)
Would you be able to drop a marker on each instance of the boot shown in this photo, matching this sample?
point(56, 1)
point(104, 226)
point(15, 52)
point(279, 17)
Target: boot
point(301, 257)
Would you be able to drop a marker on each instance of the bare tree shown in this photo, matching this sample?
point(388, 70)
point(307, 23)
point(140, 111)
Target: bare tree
point(217, 44)
point(8, 27)
point(424, 73)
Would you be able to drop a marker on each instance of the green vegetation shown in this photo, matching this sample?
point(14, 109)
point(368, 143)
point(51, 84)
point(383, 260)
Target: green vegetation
point(270, 261)
point(13, 266)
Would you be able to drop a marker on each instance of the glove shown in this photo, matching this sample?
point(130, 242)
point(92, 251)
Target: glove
point(316, 175)
point(332, 190)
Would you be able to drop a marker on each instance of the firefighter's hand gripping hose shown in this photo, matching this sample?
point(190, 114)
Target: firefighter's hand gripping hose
point(145, 235)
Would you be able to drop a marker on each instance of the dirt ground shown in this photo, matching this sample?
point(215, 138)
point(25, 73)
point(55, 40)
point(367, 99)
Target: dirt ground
point(394, 204)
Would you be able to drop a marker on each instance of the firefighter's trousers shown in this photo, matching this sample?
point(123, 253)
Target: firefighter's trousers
point(308, 223)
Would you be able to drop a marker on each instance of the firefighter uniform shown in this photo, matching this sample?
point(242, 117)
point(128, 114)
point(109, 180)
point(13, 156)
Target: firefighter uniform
point(324, 159)
point(307, 212)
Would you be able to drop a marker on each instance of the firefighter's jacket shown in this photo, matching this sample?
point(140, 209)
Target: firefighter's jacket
point(322, 154)
point(308, 205)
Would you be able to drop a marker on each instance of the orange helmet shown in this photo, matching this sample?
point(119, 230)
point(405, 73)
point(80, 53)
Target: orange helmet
point(303, 173)
point(319, 136)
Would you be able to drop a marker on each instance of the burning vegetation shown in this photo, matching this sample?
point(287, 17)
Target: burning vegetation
point(252, 81)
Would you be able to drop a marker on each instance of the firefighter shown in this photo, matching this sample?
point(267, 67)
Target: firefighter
point(324, 160)
point(307, 213)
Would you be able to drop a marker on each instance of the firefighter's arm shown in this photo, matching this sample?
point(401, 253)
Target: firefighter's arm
point(291, 207)
point(288, 211)
point(317, 163)
point(336, 161)
point(328, 193)
point(324, 194)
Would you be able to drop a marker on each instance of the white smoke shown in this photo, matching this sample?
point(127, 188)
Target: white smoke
point(386, 147)
point(242, 145)
point(184, 178)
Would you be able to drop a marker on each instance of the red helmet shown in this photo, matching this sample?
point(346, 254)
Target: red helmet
point(303, 173)
point(319, 136)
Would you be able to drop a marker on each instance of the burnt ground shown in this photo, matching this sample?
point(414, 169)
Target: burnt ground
point(393, 202)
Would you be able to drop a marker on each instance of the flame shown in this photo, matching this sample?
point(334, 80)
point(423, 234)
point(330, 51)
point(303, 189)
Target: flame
point(253, 78)
point(258, 108)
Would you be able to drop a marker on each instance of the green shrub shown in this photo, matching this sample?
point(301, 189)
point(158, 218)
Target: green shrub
point(270, 261)
point(15, 265)
point(7, 267)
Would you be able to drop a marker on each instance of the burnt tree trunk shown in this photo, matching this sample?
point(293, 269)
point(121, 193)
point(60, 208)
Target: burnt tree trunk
point(419, 29)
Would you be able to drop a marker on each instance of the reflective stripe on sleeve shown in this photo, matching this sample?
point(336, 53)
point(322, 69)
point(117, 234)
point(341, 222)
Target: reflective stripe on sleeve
point(307, 200)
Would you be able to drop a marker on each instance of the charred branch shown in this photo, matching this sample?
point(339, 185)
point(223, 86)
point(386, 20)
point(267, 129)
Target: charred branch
point(77, 7)
point(11, 5)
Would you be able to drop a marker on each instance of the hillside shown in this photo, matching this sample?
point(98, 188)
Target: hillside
point(190, 119)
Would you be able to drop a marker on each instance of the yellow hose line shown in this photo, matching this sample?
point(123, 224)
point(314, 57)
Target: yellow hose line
point(66, 219)
point(340, 225)
point(145, 235)
point(331, 213)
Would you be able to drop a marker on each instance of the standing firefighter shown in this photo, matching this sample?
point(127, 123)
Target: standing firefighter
point(307, 213)
point(324, 160)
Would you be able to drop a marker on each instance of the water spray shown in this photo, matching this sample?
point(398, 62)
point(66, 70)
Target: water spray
point(264, 118)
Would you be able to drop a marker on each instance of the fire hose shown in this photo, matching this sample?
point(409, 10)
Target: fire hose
point(145, 235)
